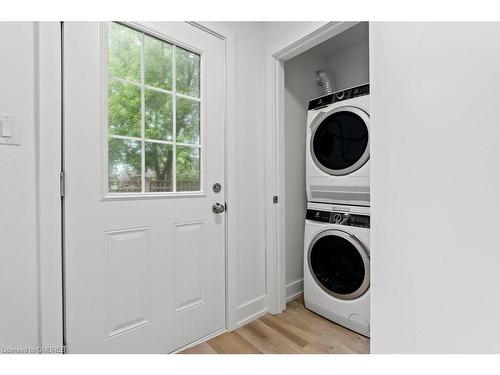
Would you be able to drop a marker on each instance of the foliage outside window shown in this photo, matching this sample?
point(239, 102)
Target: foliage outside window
point(154, 105)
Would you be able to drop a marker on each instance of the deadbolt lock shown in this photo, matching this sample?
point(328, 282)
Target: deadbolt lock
point(217, 187)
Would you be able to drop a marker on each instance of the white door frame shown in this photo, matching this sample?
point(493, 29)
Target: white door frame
point(48, 148)
point(275, 156)
point(48, 198)
point(230, 153)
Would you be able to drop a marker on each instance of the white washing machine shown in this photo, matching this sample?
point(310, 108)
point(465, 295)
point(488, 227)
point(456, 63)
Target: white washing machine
point(337, 264)
point(338, 148)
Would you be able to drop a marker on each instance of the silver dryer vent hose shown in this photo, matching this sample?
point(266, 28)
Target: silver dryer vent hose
point(324, 81)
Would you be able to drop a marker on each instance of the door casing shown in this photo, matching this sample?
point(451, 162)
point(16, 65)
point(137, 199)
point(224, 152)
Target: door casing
point(275, 157)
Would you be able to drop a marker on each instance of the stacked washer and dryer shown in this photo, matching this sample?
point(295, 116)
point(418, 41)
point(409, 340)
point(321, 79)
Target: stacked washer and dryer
point(337, 227)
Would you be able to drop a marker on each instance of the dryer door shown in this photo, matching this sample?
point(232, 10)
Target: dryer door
point(340, 264)
point(339, 140)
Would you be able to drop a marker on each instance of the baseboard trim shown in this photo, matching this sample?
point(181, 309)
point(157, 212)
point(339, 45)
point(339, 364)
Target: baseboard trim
point(294, 289)
point(199, 341)
point(251, 310)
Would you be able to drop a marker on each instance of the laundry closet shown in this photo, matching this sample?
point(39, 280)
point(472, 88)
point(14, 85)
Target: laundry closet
point(343, 62)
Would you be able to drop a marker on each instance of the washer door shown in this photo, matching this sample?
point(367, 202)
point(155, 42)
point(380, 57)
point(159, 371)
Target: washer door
point(340, 141)
point(339, 264)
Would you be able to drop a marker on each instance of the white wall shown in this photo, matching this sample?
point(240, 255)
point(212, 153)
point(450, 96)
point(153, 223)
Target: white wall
point(30, 231)
point(279, 35)
point(276, 37)
point(18, 227)
point(435, 199)
point(350, 67)
point(251, 40)
point(249, 168)
point(300, 87)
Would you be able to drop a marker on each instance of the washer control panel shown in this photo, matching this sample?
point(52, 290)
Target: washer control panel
point(340, 218)
point(338, 96)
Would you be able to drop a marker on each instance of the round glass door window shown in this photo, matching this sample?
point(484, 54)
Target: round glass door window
point(339, 144)
point(339, 265)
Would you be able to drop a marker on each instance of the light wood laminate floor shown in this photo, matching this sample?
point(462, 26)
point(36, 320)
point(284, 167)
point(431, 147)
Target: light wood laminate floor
point(296, 330)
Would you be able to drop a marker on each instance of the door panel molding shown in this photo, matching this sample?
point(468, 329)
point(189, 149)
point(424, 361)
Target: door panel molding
point(128, 282)
point(188, 248)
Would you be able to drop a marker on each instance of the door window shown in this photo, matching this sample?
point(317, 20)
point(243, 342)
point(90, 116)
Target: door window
point(339, 142)
point(154, 114)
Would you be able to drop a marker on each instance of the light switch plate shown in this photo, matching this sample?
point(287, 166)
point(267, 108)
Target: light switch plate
point(10, 134)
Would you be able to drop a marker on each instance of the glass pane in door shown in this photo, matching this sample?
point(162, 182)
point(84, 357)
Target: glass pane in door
point(154, 114)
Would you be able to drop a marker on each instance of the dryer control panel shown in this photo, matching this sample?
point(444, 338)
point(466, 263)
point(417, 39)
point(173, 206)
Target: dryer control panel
point(341, 218)
point(338, 96)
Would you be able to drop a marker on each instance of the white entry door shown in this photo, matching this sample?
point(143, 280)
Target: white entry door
point(144, 115)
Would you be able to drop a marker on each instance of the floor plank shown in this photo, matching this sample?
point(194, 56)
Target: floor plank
point(232, 343)
point(267, 340)
point(203, 348)
point(292, 333)
point(296, 330)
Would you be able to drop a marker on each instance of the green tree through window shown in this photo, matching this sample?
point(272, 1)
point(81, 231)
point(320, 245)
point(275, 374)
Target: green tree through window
point(154, 117)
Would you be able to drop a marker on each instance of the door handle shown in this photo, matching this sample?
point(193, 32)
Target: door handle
point(218, 208)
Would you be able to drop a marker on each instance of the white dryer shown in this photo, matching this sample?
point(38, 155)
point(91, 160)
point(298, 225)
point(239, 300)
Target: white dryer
point(338, 148)
point(337, 264)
